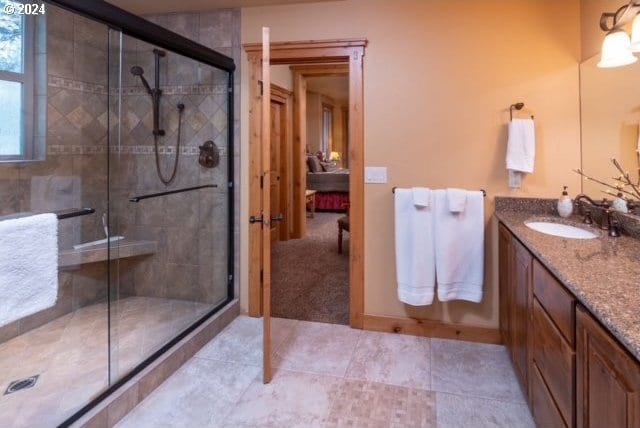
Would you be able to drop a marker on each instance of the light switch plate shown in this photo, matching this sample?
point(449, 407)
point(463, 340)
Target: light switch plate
point(375, 174)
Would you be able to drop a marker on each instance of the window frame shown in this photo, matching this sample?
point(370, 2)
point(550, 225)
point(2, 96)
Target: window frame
point(326, 143)
point(27, 79)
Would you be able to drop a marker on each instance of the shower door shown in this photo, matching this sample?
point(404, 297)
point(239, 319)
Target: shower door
point(169, 198)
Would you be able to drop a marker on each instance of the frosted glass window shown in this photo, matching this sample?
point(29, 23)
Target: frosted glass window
point(11, 114)
point(11, 39)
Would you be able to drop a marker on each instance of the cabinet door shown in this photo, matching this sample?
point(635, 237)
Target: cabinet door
point(506, 261)
point(519, 318)
point(608, 378)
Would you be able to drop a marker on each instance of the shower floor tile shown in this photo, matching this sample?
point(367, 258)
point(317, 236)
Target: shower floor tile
point(71, 356)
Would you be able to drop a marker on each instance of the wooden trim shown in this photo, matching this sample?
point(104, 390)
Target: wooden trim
point(298, 170)
point(305, 46)
point(429, 328)
point(321, 69)
point(324, 52)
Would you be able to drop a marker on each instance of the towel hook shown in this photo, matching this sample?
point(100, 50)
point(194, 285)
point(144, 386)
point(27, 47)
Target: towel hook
point(517, 106)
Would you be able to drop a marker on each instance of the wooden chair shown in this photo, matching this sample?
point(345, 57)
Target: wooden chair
point(343, 224)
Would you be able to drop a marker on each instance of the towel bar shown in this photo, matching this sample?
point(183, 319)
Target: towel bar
point(74, 213)
point(484, 192)
point(170, 192)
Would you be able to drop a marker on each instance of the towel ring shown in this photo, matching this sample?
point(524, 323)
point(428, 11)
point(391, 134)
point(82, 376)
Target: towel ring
point(517, 106)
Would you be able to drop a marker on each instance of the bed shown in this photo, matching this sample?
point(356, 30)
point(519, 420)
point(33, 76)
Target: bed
point(332, 189)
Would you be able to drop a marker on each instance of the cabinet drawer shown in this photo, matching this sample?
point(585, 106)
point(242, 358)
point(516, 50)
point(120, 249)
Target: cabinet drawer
point(555, 359)
point(544, 409)
point(556, 300)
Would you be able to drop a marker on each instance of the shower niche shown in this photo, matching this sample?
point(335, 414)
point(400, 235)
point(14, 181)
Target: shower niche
point(152, 257)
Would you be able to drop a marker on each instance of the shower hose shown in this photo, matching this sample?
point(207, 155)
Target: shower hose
point(175, 162)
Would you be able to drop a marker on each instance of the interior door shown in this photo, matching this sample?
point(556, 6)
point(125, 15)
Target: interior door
point(266, 207)
point(274, 167)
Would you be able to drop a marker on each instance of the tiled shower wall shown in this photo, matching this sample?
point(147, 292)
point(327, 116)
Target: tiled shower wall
point(191, 228)
point(76, 146)
point(192, 242)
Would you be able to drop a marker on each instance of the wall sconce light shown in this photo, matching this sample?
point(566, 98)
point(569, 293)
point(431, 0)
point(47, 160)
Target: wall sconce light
point(617, 47)
point(335, 156)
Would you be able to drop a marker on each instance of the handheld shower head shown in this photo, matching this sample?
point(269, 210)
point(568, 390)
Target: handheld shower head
point(136, 70)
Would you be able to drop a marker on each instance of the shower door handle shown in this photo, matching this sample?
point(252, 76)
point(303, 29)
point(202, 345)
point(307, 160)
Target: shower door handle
point(277, 219)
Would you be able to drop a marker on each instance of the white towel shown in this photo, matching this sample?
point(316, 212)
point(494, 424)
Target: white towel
point(415, 262)
point(521, 150)
point(28, 266)
point(421, 196)
point(456, 200)
point(459, 248)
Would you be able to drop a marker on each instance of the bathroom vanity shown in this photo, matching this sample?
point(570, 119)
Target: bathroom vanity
point(569, 317)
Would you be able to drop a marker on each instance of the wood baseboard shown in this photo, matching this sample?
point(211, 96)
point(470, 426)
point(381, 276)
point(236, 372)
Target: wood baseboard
point(429, 328)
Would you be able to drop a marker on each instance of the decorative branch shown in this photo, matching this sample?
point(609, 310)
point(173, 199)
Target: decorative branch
point(595, 180)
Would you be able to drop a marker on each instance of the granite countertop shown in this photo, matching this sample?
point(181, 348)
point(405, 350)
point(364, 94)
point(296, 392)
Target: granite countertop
point(603, 273)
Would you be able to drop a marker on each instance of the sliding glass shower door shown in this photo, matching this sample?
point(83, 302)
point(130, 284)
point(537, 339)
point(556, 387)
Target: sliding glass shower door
point(168, 197)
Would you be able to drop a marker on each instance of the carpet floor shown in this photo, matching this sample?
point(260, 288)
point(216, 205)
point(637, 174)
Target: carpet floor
point(309, 279)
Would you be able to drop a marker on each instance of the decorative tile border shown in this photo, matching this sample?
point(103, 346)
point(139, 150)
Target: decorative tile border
point(76, 85)
point(177, 90)
point(61, 82)
point(62, 150)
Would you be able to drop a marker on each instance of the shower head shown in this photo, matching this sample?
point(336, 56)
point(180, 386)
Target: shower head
point(136, 70)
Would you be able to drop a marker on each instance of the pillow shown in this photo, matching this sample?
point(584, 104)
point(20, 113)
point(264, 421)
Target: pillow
point(314, 164)
point(329, 166)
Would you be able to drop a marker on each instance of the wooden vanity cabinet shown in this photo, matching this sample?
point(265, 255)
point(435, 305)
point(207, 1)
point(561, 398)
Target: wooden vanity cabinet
point(574, 372)
point(608, 378)
point(515, 288)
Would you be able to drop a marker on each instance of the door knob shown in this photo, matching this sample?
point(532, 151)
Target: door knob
point(256, 219)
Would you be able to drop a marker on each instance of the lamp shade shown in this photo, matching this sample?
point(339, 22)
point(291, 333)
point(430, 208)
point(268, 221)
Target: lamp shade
point(335, 156)
point(615, 50)
point(635, 34)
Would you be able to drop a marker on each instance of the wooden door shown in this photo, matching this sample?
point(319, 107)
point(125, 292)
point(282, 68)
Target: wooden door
point(266, 207)
point(607, 378)
point(519, 317)
point(275, 167)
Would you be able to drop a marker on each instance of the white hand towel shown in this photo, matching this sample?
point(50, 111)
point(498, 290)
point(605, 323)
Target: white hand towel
point(421, 196)
point(521, 150)
point(415, 262)
point(28, 266)
point(456, 200)
point(459, 248)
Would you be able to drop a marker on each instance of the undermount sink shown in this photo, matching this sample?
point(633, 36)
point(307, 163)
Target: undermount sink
point(561, 230)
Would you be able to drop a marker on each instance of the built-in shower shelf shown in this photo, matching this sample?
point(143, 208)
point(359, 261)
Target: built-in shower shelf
point(99, 253)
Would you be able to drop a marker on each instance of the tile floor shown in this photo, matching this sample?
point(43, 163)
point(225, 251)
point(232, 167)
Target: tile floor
point(329, 375)
point(72, 357)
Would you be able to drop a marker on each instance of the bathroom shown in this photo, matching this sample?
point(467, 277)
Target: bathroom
point(438, 79)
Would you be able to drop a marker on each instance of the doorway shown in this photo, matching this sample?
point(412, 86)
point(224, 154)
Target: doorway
point(310, 271)
point(332, 53)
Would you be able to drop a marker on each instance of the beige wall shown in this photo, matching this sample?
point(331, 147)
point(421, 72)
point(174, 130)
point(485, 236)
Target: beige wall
point(439, 77)
point(281, 76)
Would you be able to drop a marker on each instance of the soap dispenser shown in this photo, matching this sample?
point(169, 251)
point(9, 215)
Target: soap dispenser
point(565, 205)
point(620, 204)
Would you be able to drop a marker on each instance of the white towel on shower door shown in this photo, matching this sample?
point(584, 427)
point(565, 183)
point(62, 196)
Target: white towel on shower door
point(28, 266)
point(459, 247)
point(415, 266)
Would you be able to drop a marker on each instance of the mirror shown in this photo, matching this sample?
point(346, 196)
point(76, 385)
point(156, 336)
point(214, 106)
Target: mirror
point(610, 114)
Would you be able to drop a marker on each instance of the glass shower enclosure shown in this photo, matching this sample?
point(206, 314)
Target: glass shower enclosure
point(137, 172)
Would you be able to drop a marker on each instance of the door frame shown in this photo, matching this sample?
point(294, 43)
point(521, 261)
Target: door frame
point(299, 74)
point(349, 51)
